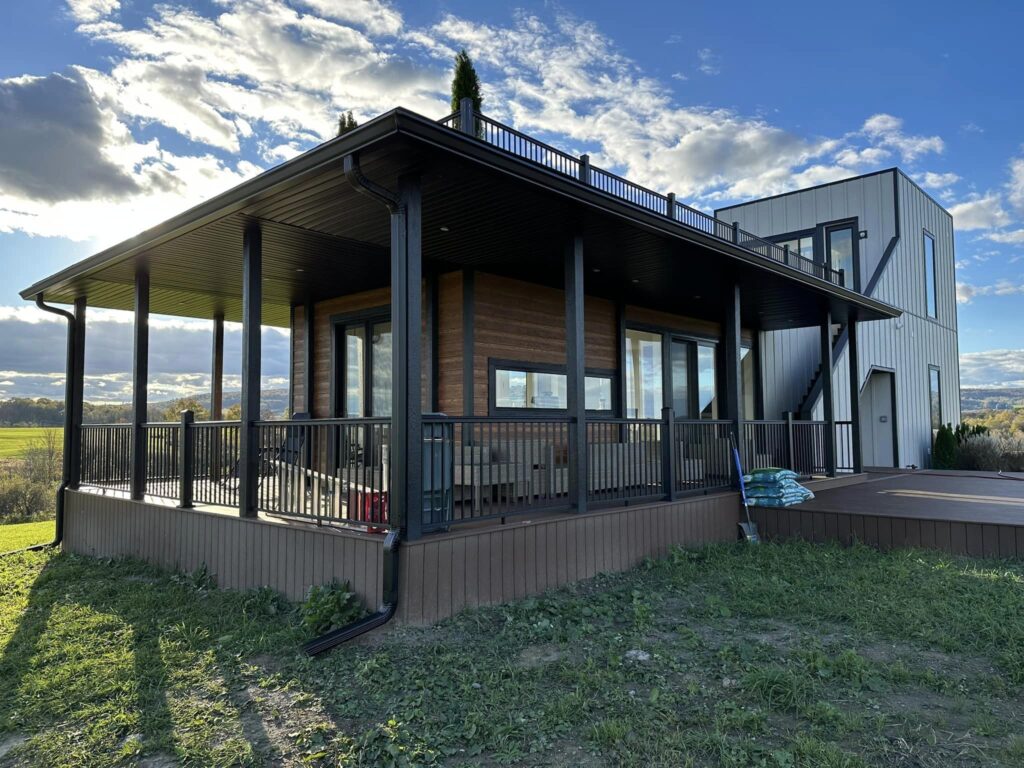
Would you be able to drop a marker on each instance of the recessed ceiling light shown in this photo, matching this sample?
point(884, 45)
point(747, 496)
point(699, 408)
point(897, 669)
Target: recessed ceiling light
point(596, 269)
point(444, 229)
point(697, 297)
point(635, 280)
point(299, 269)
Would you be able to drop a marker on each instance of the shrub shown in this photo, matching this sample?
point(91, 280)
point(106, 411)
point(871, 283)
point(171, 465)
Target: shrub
point(22, 500)
point(944, 449)
point(980, 452)
point(329, 606)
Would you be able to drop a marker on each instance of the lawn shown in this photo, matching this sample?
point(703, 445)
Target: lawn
point(776, 655)
point(14, 440)
point(21, 535)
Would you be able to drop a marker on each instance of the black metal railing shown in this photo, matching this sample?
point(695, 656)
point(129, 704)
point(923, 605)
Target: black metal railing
point(809, 449)
point(217, 450)
point(106, 455)
point(844, 447)
point(702, 455)
point(624, 460)
point(493, 467)
point(328, 470)
point(765, 444)
point(163, 441)
point(525, 147)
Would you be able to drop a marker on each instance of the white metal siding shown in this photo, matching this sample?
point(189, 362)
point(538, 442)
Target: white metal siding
point(906, 345)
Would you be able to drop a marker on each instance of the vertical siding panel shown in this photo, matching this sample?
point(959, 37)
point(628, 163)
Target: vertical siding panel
point(472, 570)
point(458, 575)
point(443, 581)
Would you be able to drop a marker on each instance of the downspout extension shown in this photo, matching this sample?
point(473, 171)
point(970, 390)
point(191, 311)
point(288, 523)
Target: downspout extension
point(384, 614)
point(66, 459)
point(389, 604)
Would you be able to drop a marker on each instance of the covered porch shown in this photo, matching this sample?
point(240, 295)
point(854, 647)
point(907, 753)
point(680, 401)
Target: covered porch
point(484, 330)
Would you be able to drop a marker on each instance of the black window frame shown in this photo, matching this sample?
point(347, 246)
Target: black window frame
point(366, 318)
point(494, 364)
point(800, 234)
point(931, 289)
point(934, 369)
point(827, 228)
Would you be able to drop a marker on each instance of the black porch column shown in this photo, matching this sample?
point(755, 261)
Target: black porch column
point(75, 390)
point(406, 502)
point(217, 369)
point(252, 300)
point(575, 369)
point(732, 342)
point(140, 377)
point(851, 350)
point(827, 396)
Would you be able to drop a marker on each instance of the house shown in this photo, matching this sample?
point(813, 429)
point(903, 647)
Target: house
point(522, 367)
point(894, 243)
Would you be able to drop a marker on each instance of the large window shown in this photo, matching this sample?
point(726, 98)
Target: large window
point(929, 275)
point(644, 382)
point(839, 242)
point(747, 383)
point(364, 345)
point(523, 386)
point(801, 245)
point(935, 397)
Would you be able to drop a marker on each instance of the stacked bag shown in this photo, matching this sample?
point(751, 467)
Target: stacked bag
point(773, 487)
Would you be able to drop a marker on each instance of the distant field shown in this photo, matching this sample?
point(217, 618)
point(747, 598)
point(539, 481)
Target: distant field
point(13, 440)
point(25, 535)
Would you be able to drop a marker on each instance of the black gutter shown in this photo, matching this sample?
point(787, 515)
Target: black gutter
point(389, 605)
point(65, 472)
point(384, 614)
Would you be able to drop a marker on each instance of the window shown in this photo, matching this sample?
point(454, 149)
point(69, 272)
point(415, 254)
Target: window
point(537, 387)
point(839, 244)
point(707, 389)
point(747, 382)
point(681, 379)
point(803, 245)
point(935, 398)
point(364, 367)
point(644, 399)
point(929, 275)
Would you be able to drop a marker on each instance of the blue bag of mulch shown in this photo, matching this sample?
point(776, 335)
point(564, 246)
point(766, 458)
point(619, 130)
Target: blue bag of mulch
point(769, 475)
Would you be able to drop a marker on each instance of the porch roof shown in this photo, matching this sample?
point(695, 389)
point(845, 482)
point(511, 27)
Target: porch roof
point(483, 208)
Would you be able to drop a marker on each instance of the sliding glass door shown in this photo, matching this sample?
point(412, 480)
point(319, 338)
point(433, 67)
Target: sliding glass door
point(690, 378)
point(364, 369)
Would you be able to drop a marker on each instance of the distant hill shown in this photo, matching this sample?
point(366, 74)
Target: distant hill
point(43, 412)
point(985, 399)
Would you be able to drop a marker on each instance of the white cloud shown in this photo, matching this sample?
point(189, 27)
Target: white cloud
point(887, 131)
point(709, 62)
point(92, 10)
point(375, 17)
point(1012, 236)
point(966, 293)
point(931, 180)
point(1015, 186)
point(980, 212)
point(992, 368)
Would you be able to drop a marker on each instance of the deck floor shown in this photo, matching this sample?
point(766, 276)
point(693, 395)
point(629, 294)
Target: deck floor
point(968, 497)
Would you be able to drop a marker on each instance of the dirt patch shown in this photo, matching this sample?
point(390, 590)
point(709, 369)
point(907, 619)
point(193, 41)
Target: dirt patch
point(534, 656)
point(157, 761)
point(11, 742)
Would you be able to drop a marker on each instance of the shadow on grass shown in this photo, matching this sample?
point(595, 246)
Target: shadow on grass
point(66, 662)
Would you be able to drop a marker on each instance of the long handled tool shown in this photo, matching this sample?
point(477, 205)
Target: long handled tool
point(748, 528)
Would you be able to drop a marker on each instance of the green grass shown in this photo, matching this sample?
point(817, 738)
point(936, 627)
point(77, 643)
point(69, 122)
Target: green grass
point(21, 535)
point(14, 440)
point(778, 655)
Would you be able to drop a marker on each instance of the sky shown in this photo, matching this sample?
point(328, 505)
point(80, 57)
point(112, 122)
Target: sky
point(116, 114)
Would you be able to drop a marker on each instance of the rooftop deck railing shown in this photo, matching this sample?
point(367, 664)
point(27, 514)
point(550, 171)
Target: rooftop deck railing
point(532, 150)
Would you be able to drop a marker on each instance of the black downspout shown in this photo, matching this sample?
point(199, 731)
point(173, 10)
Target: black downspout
point(389, 603)
point(68, 399)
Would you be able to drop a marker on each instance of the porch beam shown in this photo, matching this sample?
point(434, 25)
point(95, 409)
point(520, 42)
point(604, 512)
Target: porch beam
point(575, 368)
point(252, 300)
point(854, 366)
point(406, 488)
point(731, 353)
point(217, 369)
point(75, 395)
point(140, 378)
point(827, 395)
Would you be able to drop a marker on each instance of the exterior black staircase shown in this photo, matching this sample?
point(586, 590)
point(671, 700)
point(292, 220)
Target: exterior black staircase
point(839, 341)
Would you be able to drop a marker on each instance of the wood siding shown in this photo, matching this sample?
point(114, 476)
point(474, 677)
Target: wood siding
point(239, 553)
